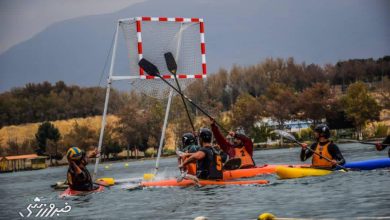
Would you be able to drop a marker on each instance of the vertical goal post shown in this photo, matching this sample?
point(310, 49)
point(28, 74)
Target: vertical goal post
point(151, 38)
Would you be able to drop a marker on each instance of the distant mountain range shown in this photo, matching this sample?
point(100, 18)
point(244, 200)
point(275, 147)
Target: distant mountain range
point(75, 50)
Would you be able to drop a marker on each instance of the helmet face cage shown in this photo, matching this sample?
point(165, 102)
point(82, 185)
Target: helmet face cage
point(188, 139)
point(323, 130)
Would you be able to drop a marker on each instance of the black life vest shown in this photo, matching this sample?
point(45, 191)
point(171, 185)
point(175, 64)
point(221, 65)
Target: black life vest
point(80, 182)
point(210, 167)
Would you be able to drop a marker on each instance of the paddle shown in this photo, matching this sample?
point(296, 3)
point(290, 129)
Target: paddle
point(172, 67)
point(292, 138)
point(232, 164)
point(152, 70)
point(385, 142)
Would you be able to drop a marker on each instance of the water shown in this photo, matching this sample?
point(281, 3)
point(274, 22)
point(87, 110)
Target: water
point(339, 195)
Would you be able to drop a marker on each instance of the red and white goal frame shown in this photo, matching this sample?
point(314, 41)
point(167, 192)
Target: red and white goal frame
point(194, 45)
point(194, 65)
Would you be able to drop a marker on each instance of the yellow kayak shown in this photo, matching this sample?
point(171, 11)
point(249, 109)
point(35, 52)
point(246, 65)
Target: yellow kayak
point(295, 172)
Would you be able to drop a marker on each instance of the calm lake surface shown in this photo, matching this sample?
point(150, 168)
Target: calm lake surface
point(340, 195)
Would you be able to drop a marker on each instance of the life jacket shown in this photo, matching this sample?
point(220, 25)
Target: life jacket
point(79, 182)
point(191, 167)
point(210, 167)
point(246, 159)
point(318, 161)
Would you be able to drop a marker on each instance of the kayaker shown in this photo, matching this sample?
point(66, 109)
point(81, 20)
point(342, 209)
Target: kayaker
point(324, 147)
point(383, 145)
point(78, 176)
point(209, 162)
point(189, 145)
point(240, 145)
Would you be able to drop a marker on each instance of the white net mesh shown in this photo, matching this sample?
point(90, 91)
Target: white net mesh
point(158, 38)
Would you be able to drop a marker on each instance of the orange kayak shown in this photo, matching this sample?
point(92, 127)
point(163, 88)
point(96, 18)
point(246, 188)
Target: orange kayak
point(252, 172)
point(185, 183)
point(70, 192)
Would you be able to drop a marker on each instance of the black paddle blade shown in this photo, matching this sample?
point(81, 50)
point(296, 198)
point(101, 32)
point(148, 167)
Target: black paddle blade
point(149, 68)
point(232, 164)
point(171, 63)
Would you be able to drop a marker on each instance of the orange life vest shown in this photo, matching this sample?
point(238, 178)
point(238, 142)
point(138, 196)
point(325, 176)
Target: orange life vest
point(191, 167)
point(246, 159)
point(318, 161)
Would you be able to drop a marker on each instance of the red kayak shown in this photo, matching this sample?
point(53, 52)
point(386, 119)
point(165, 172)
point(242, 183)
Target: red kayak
point(252, 172)
point(70, 193)
point(185, 183)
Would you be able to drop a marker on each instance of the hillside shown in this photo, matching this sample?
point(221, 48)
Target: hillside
point(23, 132)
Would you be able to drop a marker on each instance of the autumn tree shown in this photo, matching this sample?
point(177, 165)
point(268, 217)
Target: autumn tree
point(245, 112)
point(81, 136)
point(359, 106)
point(280, 103)
point(315, 102)
point(139, 123)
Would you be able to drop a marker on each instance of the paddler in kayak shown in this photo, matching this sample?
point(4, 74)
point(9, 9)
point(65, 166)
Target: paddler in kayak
point(209, 162)
point(240, 145)
point(323, 147)
point(189, 145)
point(78, 176)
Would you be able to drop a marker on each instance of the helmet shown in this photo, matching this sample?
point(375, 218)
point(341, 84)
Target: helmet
point(322, 130)
point(188, 139)
point(205, 135)
point(74, 153)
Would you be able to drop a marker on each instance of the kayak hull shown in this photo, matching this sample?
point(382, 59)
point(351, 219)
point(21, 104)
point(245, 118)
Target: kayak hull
point(251, 172)
point(186, 183)
point(299, 172)
point(71, 193)
point(368, 164)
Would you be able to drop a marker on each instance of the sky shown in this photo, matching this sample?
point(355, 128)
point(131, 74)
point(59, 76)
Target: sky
point(23, 19)
point(68, 39)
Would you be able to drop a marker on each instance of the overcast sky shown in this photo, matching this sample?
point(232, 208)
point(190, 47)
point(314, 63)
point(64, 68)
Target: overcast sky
point(52, 40)
point(22, 19)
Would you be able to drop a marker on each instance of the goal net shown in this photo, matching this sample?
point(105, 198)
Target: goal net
point(151, 38)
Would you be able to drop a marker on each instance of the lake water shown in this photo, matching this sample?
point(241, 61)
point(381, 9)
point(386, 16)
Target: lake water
point(340, 195)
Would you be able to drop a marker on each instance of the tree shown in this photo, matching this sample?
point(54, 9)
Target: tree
point(46, 131)
point(81, 136)
point(315, 102)
point(359, 106)
point(138, 124)
point(280, 103)
point(246, 111)
point(112, 147)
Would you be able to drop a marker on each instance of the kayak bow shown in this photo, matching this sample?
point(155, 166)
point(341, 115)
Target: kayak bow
point(299, 172)
point(72, 193)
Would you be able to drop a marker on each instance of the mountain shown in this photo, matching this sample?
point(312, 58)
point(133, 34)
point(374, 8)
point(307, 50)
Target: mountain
point(247, 32)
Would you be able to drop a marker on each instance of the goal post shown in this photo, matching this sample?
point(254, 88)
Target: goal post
point(151, 38)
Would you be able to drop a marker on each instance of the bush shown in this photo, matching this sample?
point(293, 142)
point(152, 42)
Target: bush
point(168, 152)
point(261, 133)
point(306, 134)
point(381, 130)
point(150, 152)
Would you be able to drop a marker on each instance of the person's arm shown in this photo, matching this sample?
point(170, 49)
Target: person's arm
point(305, 153)
point(247, 143)
point(223, 143)
point(75, 168)
point(195, 156)
point(336, 154)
